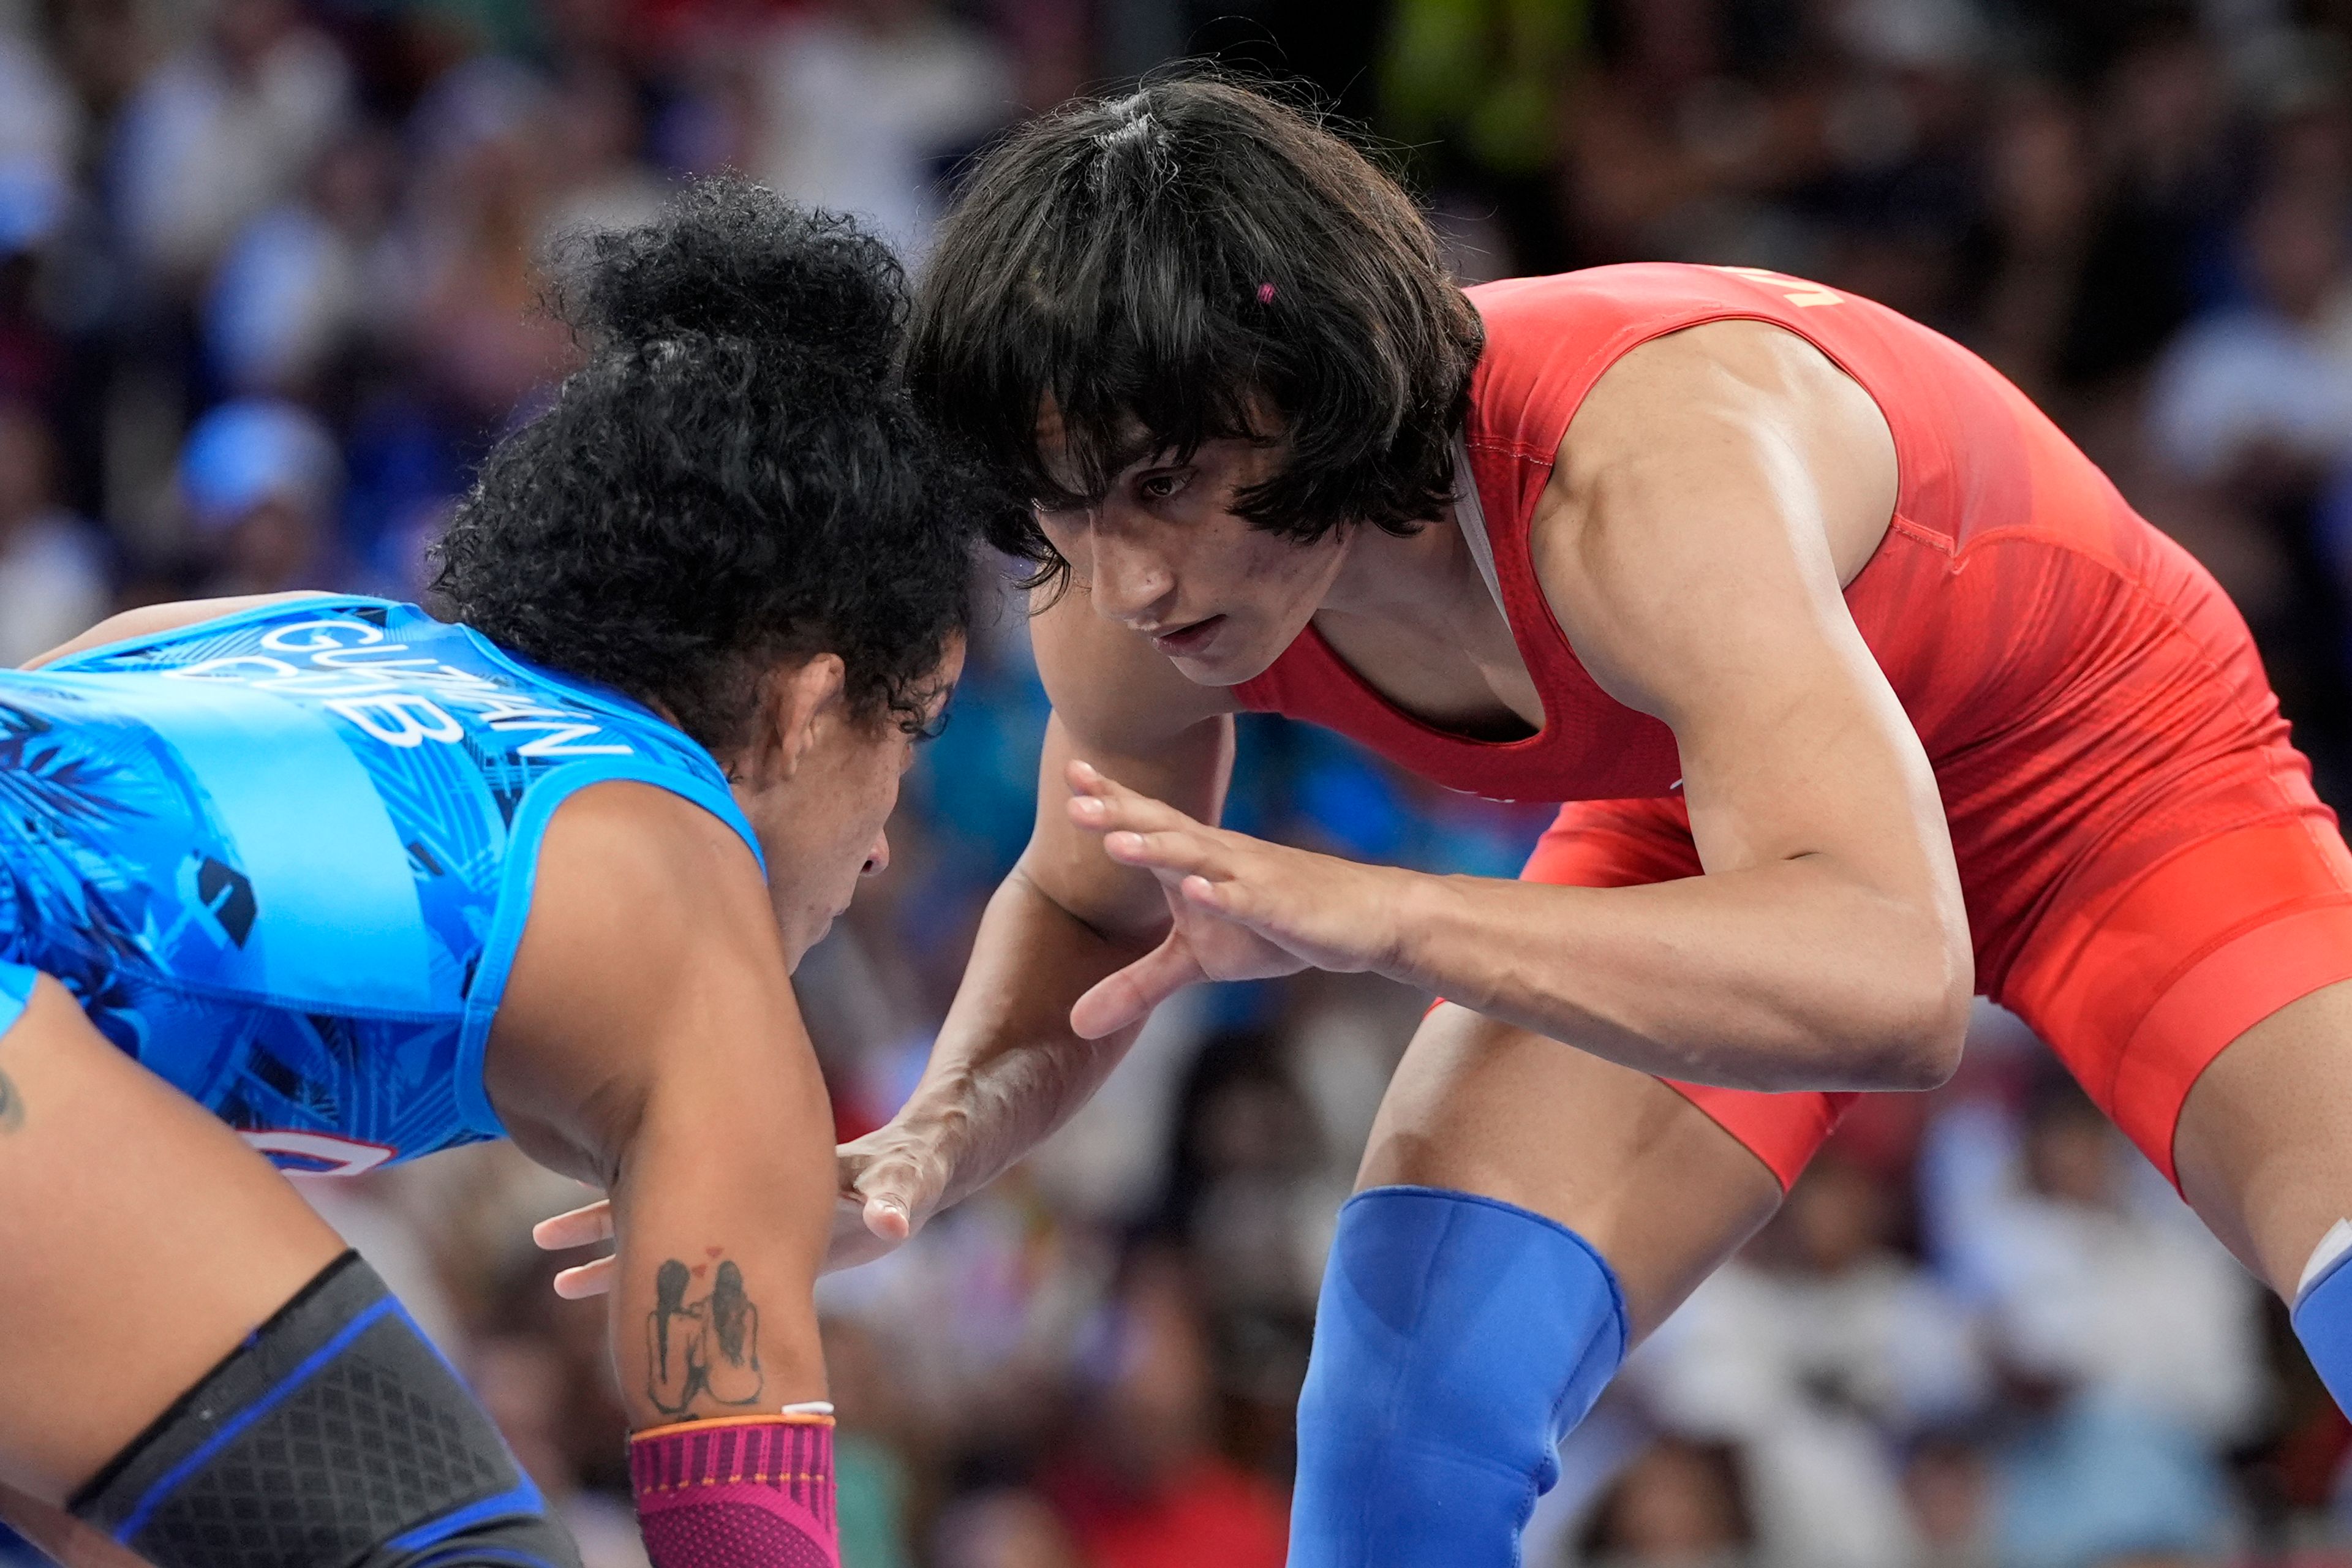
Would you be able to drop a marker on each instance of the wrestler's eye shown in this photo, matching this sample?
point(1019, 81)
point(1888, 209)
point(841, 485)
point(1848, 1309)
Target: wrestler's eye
point(1161, 486)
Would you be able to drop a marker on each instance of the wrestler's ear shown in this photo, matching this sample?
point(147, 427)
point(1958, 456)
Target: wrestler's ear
point(798, 702)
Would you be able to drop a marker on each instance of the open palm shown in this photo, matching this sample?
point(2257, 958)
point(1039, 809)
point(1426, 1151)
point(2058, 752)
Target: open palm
point(1243, 908)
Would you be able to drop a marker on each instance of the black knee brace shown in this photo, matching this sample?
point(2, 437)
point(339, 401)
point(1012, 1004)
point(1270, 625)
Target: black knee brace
point(335, 1436)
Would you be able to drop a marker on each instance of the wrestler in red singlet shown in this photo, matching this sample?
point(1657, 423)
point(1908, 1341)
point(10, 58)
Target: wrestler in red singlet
point(2147, 870)
point(1948, 712)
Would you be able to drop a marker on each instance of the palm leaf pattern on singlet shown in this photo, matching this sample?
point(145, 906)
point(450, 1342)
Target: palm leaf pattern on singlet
point(52, 796)
point(75, 790)
point(179, 855)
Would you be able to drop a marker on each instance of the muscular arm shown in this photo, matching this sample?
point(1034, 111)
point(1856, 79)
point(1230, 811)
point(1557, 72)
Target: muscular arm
point(1007, 1068)
point(1712, 495)
point(649, 1042)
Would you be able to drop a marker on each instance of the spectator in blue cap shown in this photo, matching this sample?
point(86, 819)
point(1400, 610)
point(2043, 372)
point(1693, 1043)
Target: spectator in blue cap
point(260, 479)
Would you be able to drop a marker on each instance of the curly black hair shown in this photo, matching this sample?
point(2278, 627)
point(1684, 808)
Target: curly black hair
point(1178, 263)
point(734, 480)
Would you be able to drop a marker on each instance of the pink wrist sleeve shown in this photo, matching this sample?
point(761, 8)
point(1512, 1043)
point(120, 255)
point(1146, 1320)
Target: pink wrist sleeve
point(754, 1493)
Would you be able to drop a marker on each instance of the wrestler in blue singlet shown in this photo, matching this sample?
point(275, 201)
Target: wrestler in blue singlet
point(284, 858)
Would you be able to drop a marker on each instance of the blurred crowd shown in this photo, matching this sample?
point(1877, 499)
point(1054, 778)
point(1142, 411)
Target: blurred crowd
point(266, 291)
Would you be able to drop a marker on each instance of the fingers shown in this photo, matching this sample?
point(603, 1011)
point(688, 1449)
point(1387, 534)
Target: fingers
point(891, 1192)
point(580, 1228)
point(889, 1219)
point(1129, 996)
point(1141, 831)
point(892, 1184)
point(587, 1280)
point(880, 1198)
point(881, 1193)
point(853, 1242)
point(1227, 896)
point(1104, 804)
point(1085, 778)
point(1192, 854)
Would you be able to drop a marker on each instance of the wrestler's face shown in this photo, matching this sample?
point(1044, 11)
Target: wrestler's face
point(818, 784)
point(1163, 554)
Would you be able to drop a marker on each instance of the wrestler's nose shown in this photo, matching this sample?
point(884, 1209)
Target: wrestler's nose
point(1131, 581)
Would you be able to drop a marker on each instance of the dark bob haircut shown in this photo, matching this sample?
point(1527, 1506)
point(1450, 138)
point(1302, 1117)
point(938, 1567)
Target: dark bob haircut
point(735, 479)
point(1175, 265)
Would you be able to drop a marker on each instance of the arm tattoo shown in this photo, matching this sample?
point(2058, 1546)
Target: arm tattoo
point(706, 1346)
point(12, 1105)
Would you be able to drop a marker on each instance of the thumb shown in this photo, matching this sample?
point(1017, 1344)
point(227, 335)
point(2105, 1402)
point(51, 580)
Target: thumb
point(1129, 996)
point(888, 1217)
point(895, 1190)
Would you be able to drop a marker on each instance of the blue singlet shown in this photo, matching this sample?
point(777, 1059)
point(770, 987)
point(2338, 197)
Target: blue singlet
point(284, 858)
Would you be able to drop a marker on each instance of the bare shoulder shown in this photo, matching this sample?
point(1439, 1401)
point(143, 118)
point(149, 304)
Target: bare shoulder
point(1714, 431)
point(643, 903)
point(1753, 374)
point(1726, 477)
point(1112, 689)
point(667, 855)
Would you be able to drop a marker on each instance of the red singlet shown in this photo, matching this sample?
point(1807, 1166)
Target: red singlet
point(2147, 870)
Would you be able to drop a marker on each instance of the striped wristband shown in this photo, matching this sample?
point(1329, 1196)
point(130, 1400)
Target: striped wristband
point(755, 1491)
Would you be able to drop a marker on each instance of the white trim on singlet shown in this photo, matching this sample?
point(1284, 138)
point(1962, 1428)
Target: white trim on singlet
point(1470, 516)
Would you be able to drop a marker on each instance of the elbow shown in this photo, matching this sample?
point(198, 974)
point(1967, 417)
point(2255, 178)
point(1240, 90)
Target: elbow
point(1926, 1058)
point(1921, 1017)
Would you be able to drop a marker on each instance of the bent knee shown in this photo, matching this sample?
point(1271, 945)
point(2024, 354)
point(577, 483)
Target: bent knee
point(420, 1472)
point(1429, 1421)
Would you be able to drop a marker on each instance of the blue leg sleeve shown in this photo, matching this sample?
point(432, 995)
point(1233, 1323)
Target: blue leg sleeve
point(2322, 1322)
point(1456, 1341)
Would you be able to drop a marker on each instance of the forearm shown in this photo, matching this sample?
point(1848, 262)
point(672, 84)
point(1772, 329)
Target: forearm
point(1779, 977)
point(722, 1228)
point(1007, 1070)
point(721, 1210)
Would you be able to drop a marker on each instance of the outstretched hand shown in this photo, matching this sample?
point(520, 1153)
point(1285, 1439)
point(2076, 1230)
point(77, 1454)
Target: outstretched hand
point(1243, 908)
point(891, 1181)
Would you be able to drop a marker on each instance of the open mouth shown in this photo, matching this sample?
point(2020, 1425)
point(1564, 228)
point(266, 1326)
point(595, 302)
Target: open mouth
point(1188, 641)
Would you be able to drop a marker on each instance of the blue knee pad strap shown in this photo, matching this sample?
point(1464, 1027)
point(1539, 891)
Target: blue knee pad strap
point(2322, 1322)
point(1456, 1341)
point(335, 1435)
